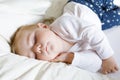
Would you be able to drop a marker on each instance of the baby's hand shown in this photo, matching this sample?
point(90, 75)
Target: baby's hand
point(64, 57)
point(109, 66)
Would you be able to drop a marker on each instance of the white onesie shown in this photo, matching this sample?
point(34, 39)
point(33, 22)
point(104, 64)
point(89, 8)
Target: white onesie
point(79, 24)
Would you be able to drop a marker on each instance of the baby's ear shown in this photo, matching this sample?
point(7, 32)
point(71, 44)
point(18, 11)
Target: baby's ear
point(42, 25)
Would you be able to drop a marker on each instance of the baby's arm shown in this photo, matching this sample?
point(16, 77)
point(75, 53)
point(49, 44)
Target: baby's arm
point(100, 44)
point(87, 60)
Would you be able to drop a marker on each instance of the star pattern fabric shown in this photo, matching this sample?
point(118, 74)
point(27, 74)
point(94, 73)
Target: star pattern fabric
point(106, 10)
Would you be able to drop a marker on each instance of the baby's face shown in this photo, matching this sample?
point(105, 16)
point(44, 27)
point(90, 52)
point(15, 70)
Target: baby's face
point(40, 43)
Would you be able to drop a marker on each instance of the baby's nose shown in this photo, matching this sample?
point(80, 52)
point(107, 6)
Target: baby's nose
point(37, 48)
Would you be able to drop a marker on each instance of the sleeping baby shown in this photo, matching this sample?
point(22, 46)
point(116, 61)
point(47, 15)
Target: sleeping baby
point(74, 38)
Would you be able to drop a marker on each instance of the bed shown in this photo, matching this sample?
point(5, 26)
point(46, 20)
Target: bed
point(14, 13)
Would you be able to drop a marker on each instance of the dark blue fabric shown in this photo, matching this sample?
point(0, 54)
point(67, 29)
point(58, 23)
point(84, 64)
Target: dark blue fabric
point(106, 11)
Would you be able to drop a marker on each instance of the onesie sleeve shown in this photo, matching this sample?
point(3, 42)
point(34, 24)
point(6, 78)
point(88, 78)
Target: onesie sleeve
point(98, 41)
point(87, 60)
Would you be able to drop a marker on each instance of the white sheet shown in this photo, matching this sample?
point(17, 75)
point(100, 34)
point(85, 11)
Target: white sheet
point(14, 67)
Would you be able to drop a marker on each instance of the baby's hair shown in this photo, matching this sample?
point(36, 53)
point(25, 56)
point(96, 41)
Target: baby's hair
point(48, 20)
point(13, 37)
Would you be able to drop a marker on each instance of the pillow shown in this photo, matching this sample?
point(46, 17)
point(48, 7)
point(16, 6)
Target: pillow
point(14, 13)
point(4, 46)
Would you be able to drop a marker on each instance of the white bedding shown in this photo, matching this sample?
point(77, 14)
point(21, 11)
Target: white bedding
point(15, 67)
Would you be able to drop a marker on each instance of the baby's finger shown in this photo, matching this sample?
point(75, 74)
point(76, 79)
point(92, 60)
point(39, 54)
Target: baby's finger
point(103, 71)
